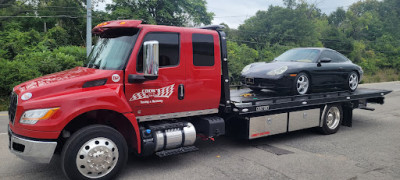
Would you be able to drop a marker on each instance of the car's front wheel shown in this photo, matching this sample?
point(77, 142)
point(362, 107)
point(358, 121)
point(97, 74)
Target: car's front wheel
point(302, 84)
point(352, 81)
point(94, 152)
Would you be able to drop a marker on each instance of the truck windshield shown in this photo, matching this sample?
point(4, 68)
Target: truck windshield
point(113, 49)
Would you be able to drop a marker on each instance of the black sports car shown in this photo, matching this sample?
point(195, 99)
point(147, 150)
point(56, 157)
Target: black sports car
point(302, 69)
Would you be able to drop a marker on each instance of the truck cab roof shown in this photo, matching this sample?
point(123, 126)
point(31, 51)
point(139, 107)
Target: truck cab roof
point(98, 29)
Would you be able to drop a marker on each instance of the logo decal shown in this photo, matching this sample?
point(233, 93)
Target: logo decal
point(115, 78)
point(164, 92)
point(26, 96)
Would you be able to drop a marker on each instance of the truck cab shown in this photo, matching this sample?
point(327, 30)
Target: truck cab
point(136, 73)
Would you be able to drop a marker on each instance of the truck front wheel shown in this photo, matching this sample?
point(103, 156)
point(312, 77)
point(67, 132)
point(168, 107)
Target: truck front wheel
point(94, 152)
point(332, 119)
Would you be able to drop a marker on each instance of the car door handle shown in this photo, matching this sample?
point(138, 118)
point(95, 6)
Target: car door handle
point(340, 67)
point(181, 92)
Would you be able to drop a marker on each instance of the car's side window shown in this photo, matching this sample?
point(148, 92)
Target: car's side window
point(168, 49)
point(331, 55)
point(341, 57)
point(203, 49)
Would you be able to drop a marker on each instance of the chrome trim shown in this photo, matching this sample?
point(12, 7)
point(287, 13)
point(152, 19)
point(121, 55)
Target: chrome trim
point(150, 58)
point(16, 107)
point(176, 115)
point(34, 151)
point(304, 119)
point(262, 126)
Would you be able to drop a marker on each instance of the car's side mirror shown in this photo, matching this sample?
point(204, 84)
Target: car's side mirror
point(150, 63)
point(325, 60)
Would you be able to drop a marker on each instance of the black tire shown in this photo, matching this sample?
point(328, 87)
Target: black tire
point(330, 120)
point(349, 85)
point(295, 84)
point(255, 89)
point(76, 143)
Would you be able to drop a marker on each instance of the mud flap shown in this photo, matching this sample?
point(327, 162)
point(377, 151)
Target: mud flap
point(347, 115)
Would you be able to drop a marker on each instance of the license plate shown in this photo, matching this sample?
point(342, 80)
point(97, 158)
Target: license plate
point(249, 80)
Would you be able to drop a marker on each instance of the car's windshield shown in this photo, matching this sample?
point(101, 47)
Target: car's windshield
point(298, 55)
point(113, 49)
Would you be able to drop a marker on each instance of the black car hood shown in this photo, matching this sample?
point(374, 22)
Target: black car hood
point(261, 69)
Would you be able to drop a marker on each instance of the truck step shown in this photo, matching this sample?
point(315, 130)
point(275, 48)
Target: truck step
point(176, 151)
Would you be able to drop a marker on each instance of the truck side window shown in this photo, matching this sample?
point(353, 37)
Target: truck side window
point(203, 49)
point(168, 49)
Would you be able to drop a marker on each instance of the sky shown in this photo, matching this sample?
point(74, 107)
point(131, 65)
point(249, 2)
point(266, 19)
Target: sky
point(234, 12)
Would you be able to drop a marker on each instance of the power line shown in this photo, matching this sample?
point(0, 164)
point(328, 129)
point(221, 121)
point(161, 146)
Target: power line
point(65, 7)
point(64, 16)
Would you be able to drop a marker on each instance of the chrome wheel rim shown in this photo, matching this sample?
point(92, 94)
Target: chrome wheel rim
point(302, 84)
point(97, 157)
point(353, 81)
point(333, 118)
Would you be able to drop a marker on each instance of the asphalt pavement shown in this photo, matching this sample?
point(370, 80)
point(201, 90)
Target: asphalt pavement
point(368, 150)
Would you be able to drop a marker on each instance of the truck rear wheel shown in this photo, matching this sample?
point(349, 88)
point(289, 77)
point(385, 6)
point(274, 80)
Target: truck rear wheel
point(332, 119)
point(94, 152)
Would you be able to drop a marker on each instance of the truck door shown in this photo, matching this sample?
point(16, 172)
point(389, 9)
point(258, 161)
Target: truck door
point(327, 74)
point(203, 71)
point(154, 98)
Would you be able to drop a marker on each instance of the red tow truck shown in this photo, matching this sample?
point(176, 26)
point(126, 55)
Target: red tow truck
point(150, 89)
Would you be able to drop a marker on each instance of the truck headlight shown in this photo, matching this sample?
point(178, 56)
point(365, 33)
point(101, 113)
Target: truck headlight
point(246, 68)
point(278, 71)
point(33, 116)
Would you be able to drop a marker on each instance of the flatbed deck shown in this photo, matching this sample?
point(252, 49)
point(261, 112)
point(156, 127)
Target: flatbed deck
point(246, 101)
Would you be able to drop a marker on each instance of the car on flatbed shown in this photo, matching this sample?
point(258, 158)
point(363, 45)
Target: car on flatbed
point(301, 70)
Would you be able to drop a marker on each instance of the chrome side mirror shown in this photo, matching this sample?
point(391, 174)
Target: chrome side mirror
point(150, 59)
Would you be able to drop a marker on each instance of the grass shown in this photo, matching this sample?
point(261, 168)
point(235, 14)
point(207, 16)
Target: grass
point(4, 101)
point(384, 75)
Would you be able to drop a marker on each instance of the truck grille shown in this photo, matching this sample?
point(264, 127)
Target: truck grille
point(12, 109)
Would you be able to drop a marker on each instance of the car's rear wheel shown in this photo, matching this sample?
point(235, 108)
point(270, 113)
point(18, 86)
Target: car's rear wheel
point(352, 81)
point(302, 84)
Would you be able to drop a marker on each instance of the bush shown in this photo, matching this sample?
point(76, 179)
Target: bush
point(31, 64)
point(13, 73)
point(79, 53)
point(383, 75)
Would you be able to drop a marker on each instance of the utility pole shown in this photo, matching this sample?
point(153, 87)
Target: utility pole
point(88, 27)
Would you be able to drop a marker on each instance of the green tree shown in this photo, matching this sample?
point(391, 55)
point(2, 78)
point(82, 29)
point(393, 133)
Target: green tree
point(239, 56)
point(283, 26)
point(163, 12)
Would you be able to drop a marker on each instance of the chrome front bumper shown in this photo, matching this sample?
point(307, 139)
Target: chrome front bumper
point(31, 150)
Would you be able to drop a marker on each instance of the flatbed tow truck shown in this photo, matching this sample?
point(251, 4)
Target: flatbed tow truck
point(152, 89)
